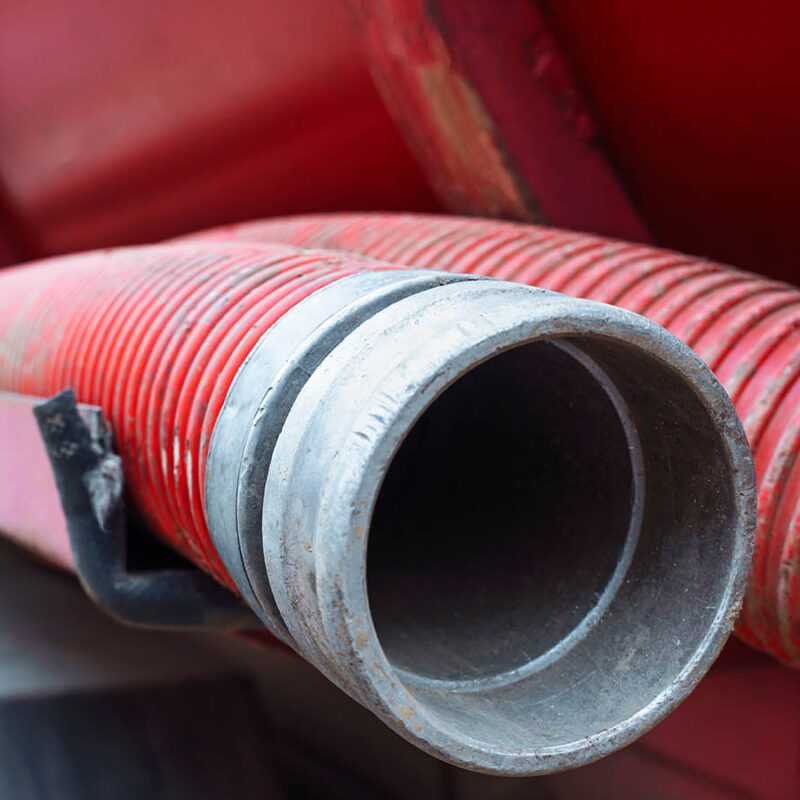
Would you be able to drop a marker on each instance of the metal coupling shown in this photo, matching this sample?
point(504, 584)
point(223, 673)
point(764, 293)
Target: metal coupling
point(517, 526)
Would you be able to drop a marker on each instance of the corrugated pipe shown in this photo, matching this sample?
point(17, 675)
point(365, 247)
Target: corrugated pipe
point(745, 327)
point(557, 494)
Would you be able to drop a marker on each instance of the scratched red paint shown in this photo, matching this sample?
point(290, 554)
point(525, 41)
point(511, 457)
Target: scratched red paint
point(488, 103)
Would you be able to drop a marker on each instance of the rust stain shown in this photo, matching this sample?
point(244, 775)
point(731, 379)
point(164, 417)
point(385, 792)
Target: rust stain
point(453, 134)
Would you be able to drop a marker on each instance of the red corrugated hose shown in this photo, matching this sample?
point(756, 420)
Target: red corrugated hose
point(746, 328)
point(262, 397)
point(154, 336)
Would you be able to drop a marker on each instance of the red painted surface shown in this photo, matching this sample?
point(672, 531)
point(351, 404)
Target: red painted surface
point(746, 328)
point(485, 98)
point(736, 736)
point(131, 121)
point(697, 102)
point(692, 103)
point(149, 119)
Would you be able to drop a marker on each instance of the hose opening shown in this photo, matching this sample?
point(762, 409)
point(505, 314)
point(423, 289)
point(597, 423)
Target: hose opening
point(521, 603)
point(514, 524)
point(503, 519)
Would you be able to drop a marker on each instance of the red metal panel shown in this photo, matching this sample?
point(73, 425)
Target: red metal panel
point(485, 98)
point(131, 121)
point(697, 102)
point(737, 735)
point(519, 108)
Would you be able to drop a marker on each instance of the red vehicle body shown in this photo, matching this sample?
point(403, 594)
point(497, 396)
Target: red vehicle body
point(675, 125)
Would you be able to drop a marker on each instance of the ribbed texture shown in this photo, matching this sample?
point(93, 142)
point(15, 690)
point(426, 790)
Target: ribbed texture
point(154, 336)
point(745, 327)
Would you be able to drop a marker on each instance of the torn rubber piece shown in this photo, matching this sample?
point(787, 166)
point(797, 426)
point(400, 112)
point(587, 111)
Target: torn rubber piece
point(90, 483)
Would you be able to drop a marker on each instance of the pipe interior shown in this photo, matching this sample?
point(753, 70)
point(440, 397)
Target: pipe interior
point(501, 521)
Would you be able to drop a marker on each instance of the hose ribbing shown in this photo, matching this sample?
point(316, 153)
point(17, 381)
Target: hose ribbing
point(154, 336)
point(745, 327)
point(334, 439)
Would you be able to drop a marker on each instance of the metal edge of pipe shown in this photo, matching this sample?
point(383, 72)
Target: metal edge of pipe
point(323, 477)
point(257, 403)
